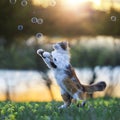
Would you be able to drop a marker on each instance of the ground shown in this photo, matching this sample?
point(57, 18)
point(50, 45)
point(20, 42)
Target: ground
point(95, 109)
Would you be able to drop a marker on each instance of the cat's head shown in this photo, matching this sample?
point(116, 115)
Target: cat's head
point(61, 46)
point(61, 55)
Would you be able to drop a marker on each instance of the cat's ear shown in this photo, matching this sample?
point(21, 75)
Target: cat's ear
point(63, 45)
point(66, 43)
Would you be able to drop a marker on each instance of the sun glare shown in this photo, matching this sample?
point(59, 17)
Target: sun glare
point(68, 4)
point(97, 2)
point(74, 4)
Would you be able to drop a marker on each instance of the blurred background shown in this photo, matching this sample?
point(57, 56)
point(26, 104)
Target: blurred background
point(92, 27)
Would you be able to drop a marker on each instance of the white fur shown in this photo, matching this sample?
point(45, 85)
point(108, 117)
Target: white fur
point(46, 54)
point(39, 51)
point(47, 57)
point(60, 57)
point(59, 75)
point(76, 95)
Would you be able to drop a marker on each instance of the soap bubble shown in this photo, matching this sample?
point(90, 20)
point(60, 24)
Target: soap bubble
point(12, 1)
point(39, 35)
point(53, 3)
point(34, 20)
point(23, 3)
point(20, 27)
point(113, 18)
point(40, 21)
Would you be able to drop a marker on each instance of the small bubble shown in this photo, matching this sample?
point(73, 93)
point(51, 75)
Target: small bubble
point(53, 3)
point(40, 21)
point(12, 1)
point(113, 18)
point(39, 35)
point(23, 3)
point(34, 20)
point(20, 27)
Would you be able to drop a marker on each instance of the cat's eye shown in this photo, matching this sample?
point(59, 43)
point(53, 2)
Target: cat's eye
point(55, 59)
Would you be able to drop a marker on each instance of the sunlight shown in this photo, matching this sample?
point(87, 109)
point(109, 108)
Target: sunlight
point(97, 2)
point(75, 4)
point(72, 4)
point(44, 3)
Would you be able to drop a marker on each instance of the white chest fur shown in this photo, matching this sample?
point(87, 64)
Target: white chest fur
point(60, 76)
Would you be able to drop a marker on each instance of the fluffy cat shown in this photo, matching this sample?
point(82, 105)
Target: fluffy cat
point(71, 88)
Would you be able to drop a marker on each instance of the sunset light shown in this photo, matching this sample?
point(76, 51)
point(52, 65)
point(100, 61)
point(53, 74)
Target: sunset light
point(67, 3)
point(75, 4)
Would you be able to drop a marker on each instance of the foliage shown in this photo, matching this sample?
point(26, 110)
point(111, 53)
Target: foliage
point(25, 57)
point(20, 57)
point(92, 56)
point(95, 109)
point(108, 26)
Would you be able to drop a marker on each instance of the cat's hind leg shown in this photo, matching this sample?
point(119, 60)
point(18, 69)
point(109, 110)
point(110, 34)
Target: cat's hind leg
point(77, 94)
point(66, 98)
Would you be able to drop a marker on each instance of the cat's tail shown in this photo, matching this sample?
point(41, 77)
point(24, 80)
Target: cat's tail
point(100, 86)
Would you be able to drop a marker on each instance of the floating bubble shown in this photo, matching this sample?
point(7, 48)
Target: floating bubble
point(34, 20)
point(40, 21)
point(39, 35)
point(20, 27)
point(53, 3)
point(113, 18)
point(12, 1)
point(23, 3)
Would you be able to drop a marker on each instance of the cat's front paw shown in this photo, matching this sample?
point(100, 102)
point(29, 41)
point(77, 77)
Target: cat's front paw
point(40, 51)
point(46, 54)
point(43, 53)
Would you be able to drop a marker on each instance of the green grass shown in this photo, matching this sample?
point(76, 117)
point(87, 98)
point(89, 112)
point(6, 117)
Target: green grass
point(95, 109)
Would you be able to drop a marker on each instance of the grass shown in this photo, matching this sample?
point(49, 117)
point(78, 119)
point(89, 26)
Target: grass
point(95, 109)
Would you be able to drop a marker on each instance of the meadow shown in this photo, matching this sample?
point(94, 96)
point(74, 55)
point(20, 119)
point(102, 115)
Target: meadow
point(95, 109)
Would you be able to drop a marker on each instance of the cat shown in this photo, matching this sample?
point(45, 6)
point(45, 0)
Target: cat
point(70, 86)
